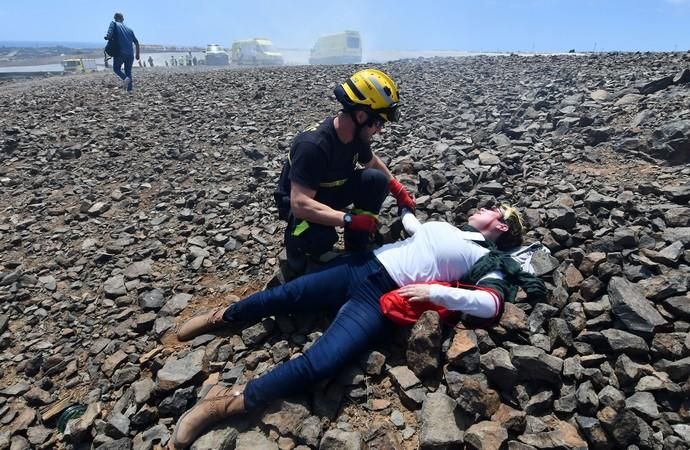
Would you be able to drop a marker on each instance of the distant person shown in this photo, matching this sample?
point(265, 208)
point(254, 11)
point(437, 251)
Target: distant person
point(189, 58)
point(150, 61)
point(173, 61)
point(125, 38)
point(166, 63)
point(194, 61)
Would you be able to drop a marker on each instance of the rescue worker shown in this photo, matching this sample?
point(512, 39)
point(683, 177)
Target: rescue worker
point(320, 177)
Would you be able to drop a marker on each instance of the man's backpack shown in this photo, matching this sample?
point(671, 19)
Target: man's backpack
point(112, 48)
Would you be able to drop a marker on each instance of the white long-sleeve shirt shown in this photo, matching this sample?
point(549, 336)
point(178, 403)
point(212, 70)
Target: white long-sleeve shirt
point(438, 251)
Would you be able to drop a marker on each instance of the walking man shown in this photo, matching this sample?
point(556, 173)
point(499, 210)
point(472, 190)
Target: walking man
point(125, 39)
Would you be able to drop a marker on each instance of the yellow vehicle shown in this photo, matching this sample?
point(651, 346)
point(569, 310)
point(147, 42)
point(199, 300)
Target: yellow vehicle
point(79, 65)
point(256, 51)
point(338, 48)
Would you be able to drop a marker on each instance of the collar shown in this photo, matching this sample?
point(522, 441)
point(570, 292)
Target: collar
point(479, 238)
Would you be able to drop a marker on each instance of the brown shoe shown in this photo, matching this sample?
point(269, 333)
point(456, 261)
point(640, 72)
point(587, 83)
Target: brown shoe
point(201, 324)
point(219, 403)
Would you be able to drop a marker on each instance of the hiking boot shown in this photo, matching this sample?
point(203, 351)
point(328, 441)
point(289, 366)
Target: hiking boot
point(195, 326)
point(219, 403)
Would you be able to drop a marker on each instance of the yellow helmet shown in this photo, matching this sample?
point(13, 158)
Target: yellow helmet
point(370, 90)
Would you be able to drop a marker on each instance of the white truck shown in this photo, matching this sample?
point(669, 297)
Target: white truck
point(215, 55)
point(338, 48)
point(258, 51)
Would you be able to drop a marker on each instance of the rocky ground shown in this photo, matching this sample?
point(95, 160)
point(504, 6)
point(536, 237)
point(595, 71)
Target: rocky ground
point(122, 215)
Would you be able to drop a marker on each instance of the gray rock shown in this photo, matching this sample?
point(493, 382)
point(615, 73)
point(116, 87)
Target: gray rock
point(221, 437)
point(498, 367)
point(675, 234)
point(424, 345)
point(152, 300)
point(255, 334)
point(485, 435)
point(19, 443)
point(115, 286)
point(175, 305)
point(37, 435)
point(341, 440)
point(587, 399)
point(310, 431)
point(404, 378)
point(683, 431)
point(253, 440)
point(77, 430)
point(374, 362)
point(632, 308)
point(679, 306)
point(611, 397)
point(543, 263)
point(138, 269)
point(620, 341)
point(441, 425)
point(286, 417)
point(472, 395)
point(678, 370)
point(534, 364)
point(644, 404)
point(177, 372)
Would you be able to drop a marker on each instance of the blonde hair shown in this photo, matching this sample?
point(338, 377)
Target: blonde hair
point(516, 227)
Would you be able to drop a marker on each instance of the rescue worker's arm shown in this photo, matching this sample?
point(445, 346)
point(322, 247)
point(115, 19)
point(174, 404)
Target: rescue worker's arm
point(404, 199)
point(376, 163)
point(304, 207)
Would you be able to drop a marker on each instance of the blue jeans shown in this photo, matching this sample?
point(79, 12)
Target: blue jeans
point(127, 60)
point(353, 284)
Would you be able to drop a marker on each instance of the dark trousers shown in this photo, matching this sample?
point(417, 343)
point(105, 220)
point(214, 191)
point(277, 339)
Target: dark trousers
point(128, 61)
point(365, 191)
point(353, 284)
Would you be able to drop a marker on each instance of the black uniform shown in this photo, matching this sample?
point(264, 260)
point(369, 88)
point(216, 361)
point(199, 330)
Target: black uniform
point(318, 160)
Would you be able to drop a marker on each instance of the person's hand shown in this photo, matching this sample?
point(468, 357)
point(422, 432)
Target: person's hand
point(137, 56)
point(404, 199)
point(416, 292)
point(363, 223)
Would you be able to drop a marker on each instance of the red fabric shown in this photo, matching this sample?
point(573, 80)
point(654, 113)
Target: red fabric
point(363, 222)
point(401, 195)
point(402, 312)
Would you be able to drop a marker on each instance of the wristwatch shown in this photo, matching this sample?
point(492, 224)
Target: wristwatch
point(347, 219)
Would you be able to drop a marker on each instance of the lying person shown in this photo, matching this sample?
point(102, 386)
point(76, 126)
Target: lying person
point(436, 251)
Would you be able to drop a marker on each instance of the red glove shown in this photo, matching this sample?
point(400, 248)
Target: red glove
point(404, 199)
point(362, 222)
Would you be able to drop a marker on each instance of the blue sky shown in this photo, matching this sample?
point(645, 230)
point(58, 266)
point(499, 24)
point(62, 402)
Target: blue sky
point(472, 25)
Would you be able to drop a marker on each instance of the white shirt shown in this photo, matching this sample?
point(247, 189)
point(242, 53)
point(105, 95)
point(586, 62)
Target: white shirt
point(438, 251)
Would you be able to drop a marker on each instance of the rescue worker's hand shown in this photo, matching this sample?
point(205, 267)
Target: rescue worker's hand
point(361, 222)
point(404, 199)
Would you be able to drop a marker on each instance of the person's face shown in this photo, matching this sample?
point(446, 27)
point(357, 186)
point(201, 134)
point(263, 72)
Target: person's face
point(488, 219)
point(370, 128)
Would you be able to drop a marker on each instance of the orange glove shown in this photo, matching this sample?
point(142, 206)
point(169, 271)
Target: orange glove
point(404, 199)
